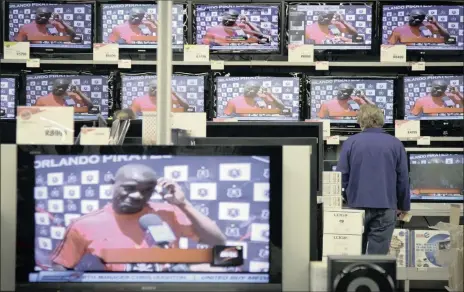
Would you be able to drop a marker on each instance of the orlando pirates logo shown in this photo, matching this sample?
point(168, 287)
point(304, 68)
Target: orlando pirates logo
point(108, 177)
point(234, 173)
point(72, 178)
point(233, 212)
point(89, 192)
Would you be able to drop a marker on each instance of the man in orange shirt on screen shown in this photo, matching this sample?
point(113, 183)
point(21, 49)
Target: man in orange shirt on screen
point(254, 97)
point(344, 102)
point(328, 29)
point(235, 28)
point(134, 26)
point(416, 30)
point(147, 102)
point(65, 94)
point(46, 23)
point(438, 98)
point(117, 224)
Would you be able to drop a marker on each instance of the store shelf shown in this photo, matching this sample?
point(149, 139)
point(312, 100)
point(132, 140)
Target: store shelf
point(422, 274)
point(432, 139)
point(432, 209)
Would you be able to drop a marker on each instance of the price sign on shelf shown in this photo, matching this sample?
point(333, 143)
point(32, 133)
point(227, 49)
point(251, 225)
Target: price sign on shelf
point(95, 136)
point(33, 63)
point(217, 65)
point(16, 50)
point(301, 53)
point(424, 140)
point(125, 64)
point(333, 140)
point(196, 53)
point(106, 52)
point(418, 66)
point(322, 65)
point(407, 129)
point(393, 53)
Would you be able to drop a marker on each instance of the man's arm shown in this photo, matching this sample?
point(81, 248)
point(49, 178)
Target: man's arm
point(418, 108)
point(136, 107)
point(63, 26)
point(114, 35)
point(435, 27)
point(345, 26)
point(278, 103)
point(402, 181)
point(182, 101)
point(39, 102)
point(230, 108)
point(394, 38)
point(21, 36)
point(323, 111)
point(83, 97)
point(70, 251)
point(343, 164)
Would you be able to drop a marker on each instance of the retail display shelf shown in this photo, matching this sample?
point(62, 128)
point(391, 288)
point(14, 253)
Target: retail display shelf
point(238, 63)
point(422, 274)
point(432, 139)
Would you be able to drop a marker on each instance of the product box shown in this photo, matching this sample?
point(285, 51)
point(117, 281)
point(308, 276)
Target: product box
point(346, 221)
point(400, 247)
point(332, 202)
point(425, 246)
point(331, 177)
point(341, 244)
point(332, 189)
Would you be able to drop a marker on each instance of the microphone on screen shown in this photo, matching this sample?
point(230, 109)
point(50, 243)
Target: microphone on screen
point(425, 32)
point(157, 232)
point(68, 101)
point(51, 29)
point(260, 102)
point(334, 30)
point(354, 106)
point(448, 101)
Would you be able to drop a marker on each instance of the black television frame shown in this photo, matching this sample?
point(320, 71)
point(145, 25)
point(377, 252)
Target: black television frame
point(26, 211)
point(54, 51)
point(16, 77)
point(418, 54)
point(425, 152)
point(257, 51)
point(338, 52)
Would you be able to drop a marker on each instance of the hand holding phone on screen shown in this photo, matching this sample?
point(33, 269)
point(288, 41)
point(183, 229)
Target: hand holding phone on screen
point(170, 191)
point(243, 18)
point(56, 17)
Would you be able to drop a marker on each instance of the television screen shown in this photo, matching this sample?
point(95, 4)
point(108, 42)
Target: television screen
point(90, 208)
point(50, 25)
point(331, 27)
point(7, 98)
point(434, 97)
point(340, 99)
point(238, 27)
point(258, 98)
point(424, 27)
point(139, 93)
point(136, 25)
point(436, 176)
point(88, 94)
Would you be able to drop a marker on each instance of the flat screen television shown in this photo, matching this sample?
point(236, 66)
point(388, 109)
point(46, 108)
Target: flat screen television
point(88, 94)
point(138, 92)
point(436, 176)
point(238, 28)
point(424, 25)
point(135, 25)
point(8, 97)
point(140, 217)
point(337, 26)
point(51, 26)
point(339, 99)
point(259, 98)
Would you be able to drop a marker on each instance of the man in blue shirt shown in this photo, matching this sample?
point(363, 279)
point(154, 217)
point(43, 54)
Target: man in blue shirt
point(375, 178)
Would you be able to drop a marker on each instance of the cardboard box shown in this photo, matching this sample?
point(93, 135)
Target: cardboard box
point(331, 177)
point(400, 247)
point(332, 202)
point(346, 221)
point(424, 247)
point(341, 244)
point(332, 189)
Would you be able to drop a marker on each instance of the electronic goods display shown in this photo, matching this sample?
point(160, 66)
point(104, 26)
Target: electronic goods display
point(246, 28)
point(7, 98)
point(89, 207)
point(135, 26)
point(436, 176)
point(331, 27)
point(424, 27)
point(434, 97)
point(51, 25)
point(139, 93)
point(426, 245)
point(258, 98)
point(339, 100)
point(88, 94)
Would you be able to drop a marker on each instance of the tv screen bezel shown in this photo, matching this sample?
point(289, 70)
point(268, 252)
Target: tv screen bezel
point(26, 211)
point(17, 78)
point(256, 51)
point(426, 151)
point(41, 50)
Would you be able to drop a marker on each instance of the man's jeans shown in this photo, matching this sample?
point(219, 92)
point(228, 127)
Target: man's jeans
point(378, 230)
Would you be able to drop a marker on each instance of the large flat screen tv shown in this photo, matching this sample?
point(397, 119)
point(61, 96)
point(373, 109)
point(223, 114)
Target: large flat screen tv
point(8, 96)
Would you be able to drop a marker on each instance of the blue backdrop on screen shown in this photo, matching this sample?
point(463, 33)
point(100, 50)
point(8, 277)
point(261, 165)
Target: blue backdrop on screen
point(114, 15)
point(7, 98)
point(236, 198)
point(94, 86)
point(78, 16)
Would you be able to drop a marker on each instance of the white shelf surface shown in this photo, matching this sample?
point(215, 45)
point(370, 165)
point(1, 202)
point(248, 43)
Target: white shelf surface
point(422, 274)
point(432, 139)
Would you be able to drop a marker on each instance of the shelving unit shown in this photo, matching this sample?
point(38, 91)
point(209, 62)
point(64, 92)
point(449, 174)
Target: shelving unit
point(421, 274)
point(432, 139)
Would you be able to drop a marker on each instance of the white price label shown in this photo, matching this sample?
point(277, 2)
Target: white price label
point(393, 53)
point(424, 140)
point(106, 52)
point(125, 64)
point(333, 140)
point(418, 66)
point(196, 53)
point(95, 136)
point(217, 65)
point(301, 53)
point(322, 65)
point(224, 120)
point(45, 125)
point(407, 129)
point(16, 50)
point(33, 63)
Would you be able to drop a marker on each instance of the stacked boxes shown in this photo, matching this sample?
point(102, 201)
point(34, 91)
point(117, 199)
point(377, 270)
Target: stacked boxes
point(400, 247)
point(332, 190)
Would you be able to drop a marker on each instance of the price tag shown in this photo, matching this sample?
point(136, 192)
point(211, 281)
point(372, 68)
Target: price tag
point(45, 125)
point(393, 53)
point(196, 53)
point(322, 65)
point(217, 65)
point(333, 140)
point(407, 129)
point(301, 53)
point(125, 64)
point(33, 63)
point(95, 136)
point(224, 120)
point(418, 66)
point(424, 140)
point(106, 52)
point(16, 50)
